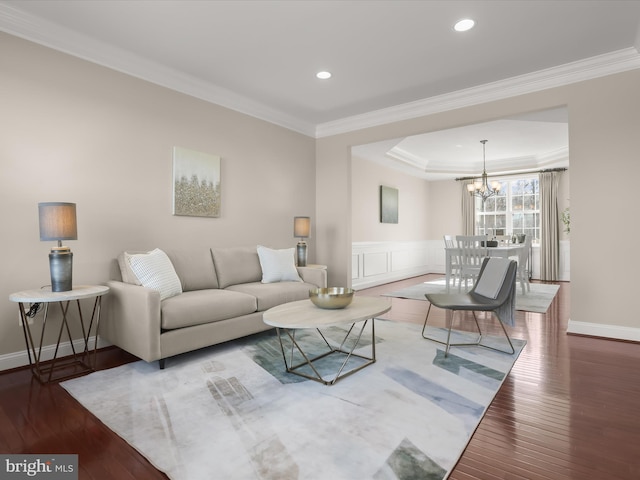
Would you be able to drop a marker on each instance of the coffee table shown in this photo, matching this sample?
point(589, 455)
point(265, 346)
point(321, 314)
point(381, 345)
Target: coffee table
point(291, 317)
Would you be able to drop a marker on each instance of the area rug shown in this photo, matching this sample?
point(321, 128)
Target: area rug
point(232, 412)
point(537, 300)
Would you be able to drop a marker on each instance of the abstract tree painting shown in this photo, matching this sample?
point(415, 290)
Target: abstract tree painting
point(196, 183)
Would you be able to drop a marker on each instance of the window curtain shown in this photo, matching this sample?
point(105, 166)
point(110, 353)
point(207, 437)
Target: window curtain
point(468, 209)
point(549, 226)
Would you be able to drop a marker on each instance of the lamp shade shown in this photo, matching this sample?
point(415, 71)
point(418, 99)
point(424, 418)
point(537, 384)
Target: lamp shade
point(57, 221)
point(301, 227)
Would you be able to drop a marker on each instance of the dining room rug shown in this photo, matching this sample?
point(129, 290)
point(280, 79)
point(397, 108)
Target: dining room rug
point(537, 300)
point(232, 412)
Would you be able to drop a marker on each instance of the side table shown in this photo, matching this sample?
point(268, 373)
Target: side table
point(79, 362)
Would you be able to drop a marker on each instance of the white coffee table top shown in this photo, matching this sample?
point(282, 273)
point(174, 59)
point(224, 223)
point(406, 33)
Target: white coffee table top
point(304, 314)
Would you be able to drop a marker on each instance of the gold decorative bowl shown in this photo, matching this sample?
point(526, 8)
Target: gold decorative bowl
point(332, 297)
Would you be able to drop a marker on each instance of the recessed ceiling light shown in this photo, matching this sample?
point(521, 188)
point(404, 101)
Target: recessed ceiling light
point(464, 25)
point(323, 75)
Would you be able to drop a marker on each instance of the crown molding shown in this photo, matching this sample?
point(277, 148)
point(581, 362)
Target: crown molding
point(590, 68)
point(558, 157)
point(409, 158)
point(49, 34)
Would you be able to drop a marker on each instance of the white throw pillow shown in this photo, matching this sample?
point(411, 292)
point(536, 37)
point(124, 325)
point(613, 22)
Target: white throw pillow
point(278, 265)
point(155, 270)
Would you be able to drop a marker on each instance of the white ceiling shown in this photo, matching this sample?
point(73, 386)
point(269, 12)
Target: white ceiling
point(390, 59)
point(523, 143)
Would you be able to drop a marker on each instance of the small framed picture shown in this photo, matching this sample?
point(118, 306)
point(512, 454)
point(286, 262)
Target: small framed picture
point(388, 204)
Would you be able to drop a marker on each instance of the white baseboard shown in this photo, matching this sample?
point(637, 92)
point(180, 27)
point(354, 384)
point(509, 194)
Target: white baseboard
point(604, 331)
point(21, 359)
point(382, 280)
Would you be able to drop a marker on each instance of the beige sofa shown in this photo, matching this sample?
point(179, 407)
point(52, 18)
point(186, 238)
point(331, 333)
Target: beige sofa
point(223, 298)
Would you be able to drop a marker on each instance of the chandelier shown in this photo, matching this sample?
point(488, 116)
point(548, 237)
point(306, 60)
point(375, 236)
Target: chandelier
point(480, 187)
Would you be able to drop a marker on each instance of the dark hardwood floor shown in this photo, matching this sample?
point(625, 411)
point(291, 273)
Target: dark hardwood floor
point(570, 408)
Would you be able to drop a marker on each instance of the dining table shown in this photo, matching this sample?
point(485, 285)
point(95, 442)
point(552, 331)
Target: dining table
point(504, 250)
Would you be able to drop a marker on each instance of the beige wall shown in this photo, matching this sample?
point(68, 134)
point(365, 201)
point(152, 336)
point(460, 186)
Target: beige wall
point(604, 121)
point(564, 199)
point(74, 131)
point(413, 202)
point(445, 209)
point(429, 210)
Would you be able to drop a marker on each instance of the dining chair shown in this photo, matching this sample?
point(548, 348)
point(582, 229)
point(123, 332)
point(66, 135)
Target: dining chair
point(494, 292)
point(472, 250)
point(523, 264)
point(449, 242)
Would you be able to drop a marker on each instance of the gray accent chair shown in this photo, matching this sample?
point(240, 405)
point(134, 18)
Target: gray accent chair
point(503, 305)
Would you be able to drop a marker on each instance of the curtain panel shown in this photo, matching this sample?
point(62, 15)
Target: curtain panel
point(468, 209)
point(549, 226)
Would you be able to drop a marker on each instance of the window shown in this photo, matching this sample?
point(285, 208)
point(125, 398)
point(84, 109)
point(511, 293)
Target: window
point(516, 209)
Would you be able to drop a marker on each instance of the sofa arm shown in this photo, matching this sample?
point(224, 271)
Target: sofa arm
point(133, 320)
point(316, 276)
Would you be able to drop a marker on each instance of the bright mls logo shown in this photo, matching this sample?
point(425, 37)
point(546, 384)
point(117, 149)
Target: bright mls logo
point(51, 467)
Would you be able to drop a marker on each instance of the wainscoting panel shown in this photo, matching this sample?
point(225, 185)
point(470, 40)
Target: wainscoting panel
point(383, 262)
point(377, 263)
point(407, 259)
point(356, 270)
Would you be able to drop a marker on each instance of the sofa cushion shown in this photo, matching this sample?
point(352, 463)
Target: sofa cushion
point(195, 268)
point(204, 306)
point(154, 270)
point(278, 265)
point(273, 294)
point(236, 265)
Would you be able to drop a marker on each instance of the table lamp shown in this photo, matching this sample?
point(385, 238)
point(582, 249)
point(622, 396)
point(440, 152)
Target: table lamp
point(301, 228)
point(58, 222)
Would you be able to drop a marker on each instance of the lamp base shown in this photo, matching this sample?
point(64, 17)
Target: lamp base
point(61, 267)
point(301, 254)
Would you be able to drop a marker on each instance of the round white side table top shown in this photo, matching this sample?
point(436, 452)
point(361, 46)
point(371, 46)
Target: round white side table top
point(45, 295)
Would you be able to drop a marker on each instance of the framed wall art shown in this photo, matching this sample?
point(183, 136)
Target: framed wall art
point(196, 183)
point(388, 204)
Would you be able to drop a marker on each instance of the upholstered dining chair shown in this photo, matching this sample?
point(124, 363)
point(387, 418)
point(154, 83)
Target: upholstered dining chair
point(472, 250)
point(494, 292)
